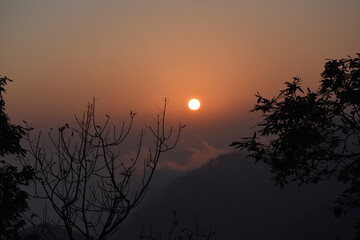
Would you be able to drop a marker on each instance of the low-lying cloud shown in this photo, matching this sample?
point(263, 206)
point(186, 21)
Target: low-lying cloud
point(198, 157)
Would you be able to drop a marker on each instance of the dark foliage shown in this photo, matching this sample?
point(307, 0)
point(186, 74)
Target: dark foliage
point(310, 136)
point(13, 200)
point(10, 135)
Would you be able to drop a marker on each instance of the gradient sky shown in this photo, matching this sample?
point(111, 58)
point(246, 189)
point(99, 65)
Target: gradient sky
point(132, 54)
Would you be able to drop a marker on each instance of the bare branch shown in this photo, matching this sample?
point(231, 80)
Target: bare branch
point(89, 185)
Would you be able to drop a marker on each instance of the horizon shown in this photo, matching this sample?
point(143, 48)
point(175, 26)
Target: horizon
point(131, 55)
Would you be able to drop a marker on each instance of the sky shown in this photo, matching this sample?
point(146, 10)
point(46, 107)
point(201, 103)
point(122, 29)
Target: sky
point(130, 55)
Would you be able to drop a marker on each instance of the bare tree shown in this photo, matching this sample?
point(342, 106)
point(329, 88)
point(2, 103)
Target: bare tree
point(89, 183)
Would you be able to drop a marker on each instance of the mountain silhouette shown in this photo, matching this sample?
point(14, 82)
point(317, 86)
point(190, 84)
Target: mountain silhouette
point(238, 200)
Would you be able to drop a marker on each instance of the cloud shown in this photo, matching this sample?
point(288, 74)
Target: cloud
point(198, 157)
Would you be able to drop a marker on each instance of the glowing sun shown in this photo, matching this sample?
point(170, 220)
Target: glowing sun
point(194, 104)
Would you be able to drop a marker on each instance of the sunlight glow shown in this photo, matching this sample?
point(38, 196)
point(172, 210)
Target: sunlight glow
point(194, 104)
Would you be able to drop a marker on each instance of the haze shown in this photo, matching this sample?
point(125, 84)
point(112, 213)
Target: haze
point(130, 55)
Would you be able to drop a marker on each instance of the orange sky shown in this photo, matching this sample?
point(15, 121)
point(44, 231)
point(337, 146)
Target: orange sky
point(132, 54)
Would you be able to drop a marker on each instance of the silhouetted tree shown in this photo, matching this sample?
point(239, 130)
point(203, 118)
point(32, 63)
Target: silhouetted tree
point(310, 136)
point(178, 233)
point(13, 200)
point(90, 185)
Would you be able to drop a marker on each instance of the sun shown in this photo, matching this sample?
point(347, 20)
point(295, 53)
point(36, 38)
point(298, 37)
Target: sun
point(194, 104)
